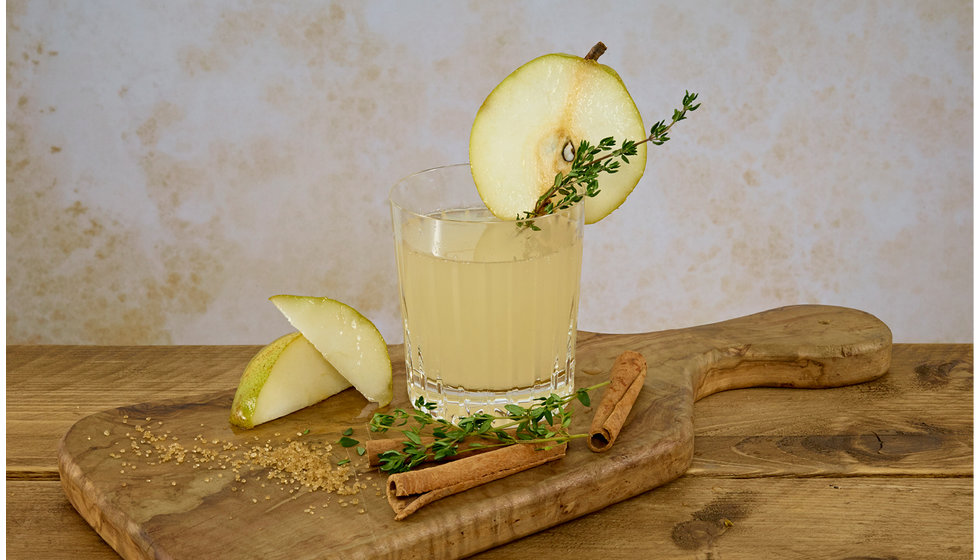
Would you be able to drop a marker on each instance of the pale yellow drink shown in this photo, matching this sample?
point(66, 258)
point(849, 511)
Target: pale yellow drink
point(489, 307)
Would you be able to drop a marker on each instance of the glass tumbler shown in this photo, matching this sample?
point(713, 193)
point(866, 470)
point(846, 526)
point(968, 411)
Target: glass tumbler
point(489, 306)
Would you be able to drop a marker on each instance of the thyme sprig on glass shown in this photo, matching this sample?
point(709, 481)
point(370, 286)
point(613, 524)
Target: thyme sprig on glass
point(546, 423)
point(582, 179)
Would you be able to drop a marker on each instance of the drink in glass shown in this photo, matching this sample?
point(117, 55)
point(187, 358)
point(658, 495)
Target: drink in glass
point(489, 306)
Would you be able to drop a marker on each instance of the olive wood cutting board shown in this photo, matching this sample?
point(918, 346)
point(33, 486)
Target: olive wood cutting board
point(148, 508)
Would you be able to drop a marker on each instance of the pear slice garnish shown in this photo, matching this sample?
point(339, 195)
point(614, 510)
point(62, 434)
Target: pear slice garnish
point(527, 129)
point(285, 376)
point(346, 339)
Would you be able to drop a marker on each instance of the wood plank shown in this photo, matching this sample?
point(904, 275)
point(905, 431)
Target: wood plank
point(50, 388)
point(42, 524)
point(904, 518)
point(789, 519)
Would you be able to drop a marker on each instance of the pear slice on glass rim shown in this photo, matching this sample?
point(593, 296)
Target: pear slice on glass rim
point(528, 129)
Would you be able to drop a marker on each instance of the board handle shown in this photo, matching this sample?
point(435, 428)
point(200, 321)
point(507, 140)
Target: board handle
point(800, 346)
point(804, 346)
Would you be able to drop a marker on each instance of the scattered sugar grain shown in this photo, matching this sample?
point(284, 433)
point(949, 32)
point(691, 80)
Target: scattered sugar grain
point(293, 464)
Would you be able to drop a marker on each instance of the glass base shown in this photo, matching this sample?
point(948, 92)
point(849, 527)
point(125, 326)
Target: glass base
point(453, 403)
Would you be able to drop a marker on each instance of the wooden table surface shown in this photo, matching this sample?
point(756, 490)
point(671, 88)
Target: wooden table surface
point(879, 470)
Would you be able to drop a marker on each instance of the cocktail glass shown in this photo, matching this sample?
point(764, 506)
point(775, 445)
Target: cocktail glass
point(489, 306)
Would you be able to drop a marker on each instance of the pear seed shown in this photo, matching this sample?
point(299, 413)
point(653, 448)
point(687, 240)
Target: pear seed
point(568, 152)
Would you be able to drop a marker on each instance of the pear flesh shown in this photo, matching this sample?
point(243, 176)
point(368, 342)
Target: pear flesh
point(287, 375)
point(346, 339)
point(528, 129)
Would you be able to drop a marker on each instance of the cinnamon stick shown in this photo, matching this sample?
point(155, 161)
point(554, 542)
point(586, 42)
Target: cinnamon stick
point(409, 491)
point(626, 379)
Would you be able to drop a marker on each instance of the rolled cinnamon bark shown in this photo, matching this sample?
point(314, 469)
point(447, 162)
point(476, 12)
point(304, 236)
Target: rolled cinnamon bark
point(626, 379)
point(409, 491)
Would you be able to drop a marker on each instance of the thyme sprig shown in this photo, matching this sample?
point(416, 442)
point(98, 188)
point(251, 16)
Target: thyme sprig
point(546, 423)
point(582, 179)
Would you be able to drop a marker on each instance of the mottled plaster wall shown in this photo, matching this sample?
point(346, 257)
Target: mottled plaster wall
point(170, 165)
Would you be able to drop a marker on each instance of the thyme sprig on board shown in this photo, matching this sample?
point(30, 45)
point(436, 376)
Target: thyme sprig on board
point(582, 179)
point(545, 422)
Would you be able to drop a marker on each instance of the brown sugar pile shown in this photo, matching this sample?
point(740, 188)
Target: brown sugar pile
point(303, 464)
point(292, 464)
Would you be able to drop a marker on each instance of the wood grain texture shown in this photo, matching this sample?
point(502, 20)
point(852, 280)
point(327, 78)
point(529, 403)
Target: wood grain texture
point(41, 523)
point(801, 346)
point(834, 518)
point(56, 386)
point(788, 519)
point(928, 388)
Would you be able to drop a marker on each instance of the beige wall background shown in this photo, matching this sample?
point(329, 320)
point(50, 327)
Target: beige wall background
point(171, 165)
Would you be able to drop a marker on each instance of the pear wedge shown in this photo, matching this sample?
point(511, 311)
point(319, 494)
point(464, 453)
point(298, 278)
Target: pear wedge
point(527, 129)
point(346, 339)
point(285, 376)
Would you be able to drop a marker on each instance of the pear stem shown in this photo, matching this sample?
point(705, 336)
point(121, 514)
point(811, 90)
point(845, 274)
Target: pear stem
point(596, 51)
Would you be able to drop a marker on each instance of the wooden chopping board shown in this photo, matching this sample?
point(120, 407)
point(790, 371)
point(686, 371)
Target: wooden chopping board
point(146, 507)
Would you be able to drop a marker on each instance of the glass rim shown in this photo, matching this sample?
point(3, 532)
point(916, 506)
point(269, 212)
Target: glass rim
point(491, 219)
